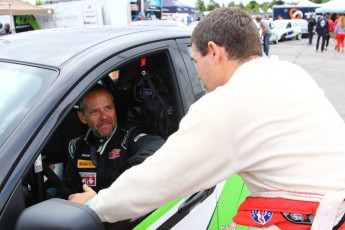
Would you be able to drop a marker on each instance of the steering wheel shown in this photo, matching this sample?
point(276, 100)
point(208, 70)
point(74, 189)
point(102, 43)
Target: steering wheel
point(55, 181)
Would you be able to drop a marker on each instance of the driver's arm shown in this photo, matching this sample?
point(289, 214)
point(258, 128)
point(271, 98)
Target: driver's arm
point(141, 146)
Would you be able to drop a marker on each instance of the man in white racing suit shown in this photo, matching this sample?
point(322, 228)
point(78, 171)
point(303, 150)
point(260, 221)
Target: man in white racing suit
point(274, 128)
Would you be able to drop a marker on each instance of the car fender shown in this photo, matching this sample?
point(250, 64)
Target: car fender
point(214, 212)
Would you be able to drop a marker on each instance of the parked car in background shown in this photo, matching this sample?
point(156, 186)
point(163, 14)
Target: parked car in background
point(304, 27)
point(193, 24)
point(164, 23)
point(274, 34)
point(287, 29)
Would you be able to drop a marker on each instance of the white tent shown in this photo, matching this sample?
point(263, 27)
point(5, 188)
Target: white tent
point(18, 7)
point(335, 6)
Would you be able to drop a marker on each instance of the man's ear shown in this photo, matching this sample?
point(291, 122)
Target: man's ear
point(215, 50)
point(81, 117)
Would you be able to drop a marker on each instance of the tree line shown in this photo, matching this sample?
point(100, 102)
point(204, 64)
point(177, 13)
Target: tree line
point(252, 6)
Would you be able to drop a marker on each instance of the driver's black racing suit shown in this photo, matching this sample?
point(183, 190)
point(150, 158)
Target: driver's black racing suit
point(99, 162)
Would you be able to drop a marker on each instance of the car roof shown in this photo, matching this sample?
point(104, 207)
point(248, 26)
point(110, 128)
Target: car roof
point(301, 21)
point(53, 47)
point(283, 21)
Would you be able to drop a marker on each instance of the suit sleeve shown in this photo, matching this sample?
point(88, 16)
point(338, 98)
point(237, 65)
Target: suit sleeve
point(71, 178)
point(141, 146)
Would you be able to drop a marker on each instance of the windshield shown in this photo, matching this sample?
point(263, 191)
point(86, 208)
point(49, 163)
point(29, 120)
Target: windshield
point(20, 88)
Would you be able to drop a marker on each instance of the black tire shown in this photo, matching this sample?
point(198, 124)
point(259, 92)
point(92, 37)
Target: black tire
point(299, 37)
point(276, 40)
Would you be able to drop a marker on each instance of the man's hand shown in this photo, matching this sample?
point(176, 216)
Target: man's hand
point(82, 198)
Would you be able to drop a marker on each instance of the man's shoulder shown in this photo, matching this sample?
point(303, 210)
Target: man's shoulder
point(135, 131)
point(74, 144)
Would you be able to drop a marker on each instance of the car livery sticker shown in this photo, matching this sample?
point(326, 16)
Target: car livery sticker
point(232, 226)
point(115, 153)
point(261, 217)
point(297, 218)
point(139, 136)
point(88, 178)
point(85, 164)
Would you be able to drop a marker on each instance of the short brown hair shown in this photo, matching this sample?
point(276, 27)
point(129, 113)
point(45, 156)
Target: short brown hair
point(232, 28)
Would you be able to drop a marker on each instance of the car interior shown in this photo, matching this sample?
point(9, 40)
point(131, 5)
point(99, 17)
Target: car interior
point(146, 94)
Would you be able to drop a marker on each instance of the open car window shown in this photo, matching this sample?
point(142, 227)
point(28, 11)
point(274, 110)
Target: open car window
point(146, 94)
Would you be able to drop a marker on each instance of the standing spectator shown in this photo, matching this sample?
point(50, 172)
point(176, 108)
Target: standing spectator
point(2, 30)
point(265, 33)
point(322, 29)
point(141, 16)
point(311, 28)
point(331, 30)
point(189, 20)
point(8, 28)
point(340, 33)
point(335, 37)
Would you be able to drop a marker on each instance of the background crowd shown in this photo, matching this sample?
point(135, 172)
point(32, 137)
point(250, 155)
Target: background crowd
point(4, 30)
point(327, 29)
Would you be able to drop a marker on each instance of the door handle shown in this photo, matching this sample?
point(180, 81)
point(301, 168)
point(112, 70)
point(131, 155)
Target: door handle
point(194, 200)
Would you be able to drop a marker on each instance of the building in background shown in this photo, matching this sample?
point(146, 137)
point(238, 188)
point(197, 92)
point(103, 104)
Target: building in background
point(19, 15)
point(90, 13)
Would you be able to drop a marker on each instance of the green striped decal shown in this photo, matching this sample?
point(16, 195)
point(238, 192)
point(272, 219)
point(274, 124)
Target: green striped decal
point(33, 23)
point(233, 194)
point(27, 19)
point(156, 215)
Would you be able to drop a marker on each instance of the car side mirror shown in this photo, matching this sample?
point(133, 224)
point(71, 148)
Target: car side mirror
point(58, 214)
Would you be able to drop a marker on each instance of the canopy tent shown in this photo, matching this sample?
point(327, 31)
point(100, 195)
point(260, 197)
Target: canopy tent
point(335, 6)
point(175, 6)
point(18, 7)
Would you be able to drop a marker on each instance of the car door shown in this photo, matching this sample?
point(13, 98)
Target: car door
point(297, 30)
point(289, 30)
point(186, 89)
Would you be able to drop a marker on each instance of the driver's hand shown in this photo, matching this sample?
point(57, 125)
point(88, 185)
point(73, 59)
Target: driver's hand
point(82, 198)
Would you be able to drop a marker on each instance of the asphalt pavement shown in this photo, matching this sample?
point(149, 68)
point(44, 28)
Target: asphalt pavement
point(327, 67)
